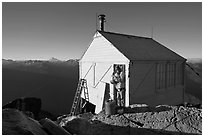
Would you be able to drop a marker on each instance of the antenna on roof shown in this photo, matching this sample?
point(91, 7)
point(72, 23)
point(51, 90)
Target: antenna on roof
point(152, 33)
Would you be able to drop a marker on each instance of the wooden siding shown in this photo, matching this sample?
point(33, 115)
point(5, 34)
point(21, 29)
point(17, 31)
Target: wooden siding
point(142, 80)
point(101, 50)
point(171, 96)
point(102, 76)
point(142, 87)
point(97, 67)
point(101, 73)
point(87, 72)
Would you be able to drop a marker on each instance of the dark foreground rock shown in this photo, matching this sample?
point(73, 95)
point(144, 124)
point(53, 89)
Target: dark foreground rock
point(14, 122)
point(53, 128)
point(29, 104)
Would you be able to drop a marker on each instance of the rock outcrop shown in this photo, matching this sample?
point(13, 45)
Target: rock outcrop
point(29, 104)
point(14, 122)
point(139, 120)
point(31, 107)
point(135, 120)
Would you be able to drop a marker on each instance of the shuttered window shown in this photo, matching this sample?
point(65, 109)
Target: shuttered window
point(160, 78)
point(168, 75)
point(179, 74)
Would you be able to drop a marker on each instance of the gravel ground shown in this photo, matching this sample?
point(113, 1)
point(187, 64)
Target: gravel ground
point(139, 120)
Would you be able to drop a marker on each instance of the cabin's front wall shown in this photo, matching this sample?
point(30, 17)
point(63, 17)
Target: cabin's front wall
point(143, 86)
point(98, 76)
point(101, 50)
point(96, 66)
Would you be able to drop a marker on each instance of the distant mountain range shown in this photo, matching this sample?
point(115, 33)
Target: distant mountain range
point(52, 59)
point(55, 81)
point(194, 60)
point(193, 80)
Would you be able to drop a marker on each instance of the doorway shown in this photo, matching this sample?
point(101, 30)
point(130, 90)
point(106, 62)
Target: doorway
point(122, 70)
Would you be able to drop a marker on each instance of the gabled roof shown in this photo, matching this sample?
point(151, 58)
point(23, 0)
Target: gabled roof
point(140, 48)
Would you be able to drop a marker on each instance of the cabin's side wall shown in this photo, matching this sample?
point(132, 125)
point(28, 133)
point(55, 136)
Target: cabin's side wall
point(143, 86)
point(141, 82)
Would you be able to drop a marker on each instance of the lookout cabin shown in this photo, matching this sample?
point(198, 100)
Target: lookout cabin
point(154, 74)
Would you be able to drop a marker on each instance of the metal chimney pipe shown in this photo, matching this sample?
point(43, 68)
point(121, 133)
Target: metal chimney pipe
point(101, 18)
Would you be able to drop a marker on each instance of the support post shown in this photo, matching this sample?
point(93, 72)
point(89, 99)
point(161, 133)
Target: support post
point(111, 86)
point(184, 80)
point(127, 93)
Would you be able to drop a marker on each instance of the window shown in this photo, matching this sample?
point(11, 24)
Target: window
point(160, 78)
point(168, 75)
point(179, 74)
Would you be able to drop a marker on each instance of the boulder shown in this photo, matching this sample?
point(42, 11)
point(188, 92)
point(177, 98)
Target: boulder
point(62, 120)
point(14, 122)
point(30, 104)
point(78, 126)
point(53, 128)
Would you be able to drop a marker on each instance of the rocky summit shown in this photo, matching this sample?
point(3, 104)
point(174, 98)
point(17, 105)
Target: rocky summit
point(134, 120)
point(166, 120)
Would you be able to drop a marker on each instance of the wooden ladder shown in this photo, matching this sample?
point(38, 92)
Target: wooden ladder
point(76, 107)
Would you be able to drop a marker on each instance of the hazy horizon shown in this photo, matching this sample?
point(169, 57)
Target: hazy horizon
point(71, 59)
point(64, 30)
point(41, 59)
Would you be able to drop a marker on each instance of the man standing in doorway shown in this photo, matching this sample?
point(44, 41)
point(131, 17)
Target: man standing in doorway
point(118, 80)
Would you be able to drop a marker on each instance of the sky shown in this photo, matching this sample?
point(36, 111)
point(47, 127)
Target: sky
point(64, 30)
